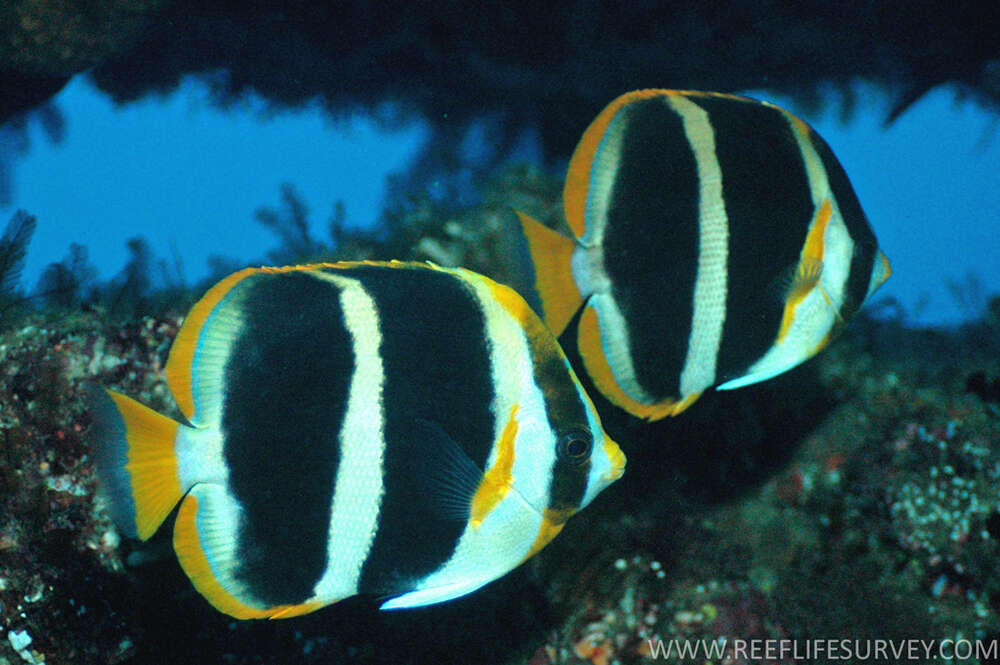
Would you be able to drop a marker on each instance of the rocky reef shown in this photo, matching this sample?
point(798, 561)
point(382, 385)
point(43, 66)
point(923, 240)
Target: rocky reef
point(855, 497)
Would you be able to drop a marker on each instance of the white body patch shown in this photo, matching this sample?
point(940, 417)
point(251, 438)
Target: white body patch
point(482, 555)
point(587, 266)
point(199, 457)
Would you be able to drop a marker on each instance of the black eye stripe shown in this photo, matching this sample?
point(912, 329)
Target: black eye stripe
point(576, 448)
point(575, 445)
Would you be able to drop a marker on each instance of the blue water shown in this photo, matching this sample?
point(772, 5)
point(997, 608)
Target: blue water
point(189, 176)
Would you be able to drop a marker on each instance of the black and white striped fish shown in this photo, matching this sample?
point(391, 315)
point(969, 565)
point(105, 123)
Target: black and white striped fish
point(718, 242)
point(395, 429)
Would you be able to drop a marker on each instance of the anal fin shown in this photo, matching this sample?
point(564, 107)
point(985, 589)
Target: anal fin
point(430, 596)
point(205, 542)
point(590, 345)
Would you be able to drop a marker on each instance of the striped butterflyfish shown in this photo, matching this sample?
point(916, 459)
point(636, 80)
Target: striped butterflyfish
point(717, 242)
point(394, 429)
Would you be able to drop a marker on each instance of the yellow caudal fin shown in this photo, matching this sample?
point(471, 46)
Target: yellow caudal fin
point(551, 254)
point(136, 461)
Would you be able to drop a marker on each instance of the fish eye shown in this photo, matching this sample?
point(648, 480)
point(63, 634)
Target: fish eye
point(575, 445)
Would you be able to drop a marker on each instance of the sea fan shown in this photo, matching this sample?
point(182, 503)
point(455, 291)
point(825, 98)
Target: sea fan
point(13, 248)
point(68, 283)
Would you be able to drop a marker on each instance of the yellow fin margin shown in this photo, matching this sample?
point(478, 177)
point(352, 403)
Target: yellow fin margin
point(577, 186)
point(181, 359)
point(553, 522)
point(598, 368)
point(885, 268)
point(187, 545)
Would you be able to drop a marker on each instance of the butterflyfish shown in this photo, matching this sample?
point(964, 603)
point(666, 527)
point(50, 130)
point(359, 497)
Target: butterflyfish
point(394, 429)
point(715, 241)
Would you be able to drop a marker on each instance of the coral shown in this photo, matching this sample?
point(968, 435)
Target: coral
point(60, 558)
point(66, 284)
point(475, 237)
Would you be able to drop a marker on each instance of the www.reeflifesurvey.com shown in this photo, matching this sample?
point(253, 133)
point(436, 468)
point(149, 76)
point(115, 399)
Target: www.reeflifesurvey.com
point(846, 649)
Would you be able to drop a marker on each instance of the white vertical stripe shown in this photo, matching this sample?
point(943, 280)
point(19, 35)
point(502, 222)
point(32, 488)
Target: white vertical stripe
point(213, 348)
point(711, 283)
point(217, 523)
point(819, 187)
point(819, 309)
point(603, 173)
point(358, 488)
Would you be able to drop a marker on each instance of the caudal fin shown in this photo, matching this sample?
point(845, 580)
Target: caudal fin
point(136, 461)
point(551, 254)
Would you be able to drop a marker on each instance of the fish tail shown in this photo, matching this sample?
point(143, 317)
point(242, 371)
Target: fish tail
point(551, 256)
point(136, 461)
